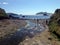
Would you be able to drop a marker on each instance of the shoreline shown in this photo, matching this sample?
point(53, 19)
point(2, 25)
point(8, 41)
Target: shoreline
point(8, 26)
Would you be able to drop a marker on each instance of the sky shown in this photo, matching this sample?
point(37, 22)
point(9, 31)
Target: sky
point(30, 7)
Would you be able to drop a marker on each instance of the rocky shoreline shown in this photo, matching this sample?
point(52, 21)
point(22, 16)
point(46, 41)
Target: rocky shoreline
point(8, 26)
point(43, 38)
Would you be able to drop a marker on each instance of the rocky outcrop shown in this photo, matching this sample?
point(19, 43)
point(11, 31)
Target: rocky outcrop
point(54, 24)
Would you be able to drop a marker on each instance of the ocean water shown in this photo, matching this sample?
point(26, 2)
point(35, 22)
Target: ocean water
point(33, 17)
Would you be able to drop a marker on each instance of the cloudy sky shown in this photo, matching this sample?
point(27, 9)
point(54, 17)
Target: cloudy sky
point(29, 6)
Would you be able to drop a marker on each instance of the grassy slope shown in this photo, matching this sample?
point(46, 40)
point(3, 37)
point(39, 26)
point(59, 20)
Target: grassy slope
point(54, 26)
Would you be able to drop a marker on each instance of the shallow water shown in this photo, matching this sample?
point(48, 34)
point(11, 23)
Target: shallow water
point(19, 36)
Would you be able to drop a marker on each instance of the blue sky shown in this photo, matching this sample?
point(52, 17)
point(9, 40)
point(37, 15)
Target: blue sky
point(29, 6)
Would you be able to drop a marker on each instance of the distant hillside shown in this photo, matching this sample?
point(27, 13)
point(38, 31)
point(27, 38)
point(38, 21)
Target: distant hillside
point(13, 16)
point(54, 24)
point(44, 13)
point(4, 15)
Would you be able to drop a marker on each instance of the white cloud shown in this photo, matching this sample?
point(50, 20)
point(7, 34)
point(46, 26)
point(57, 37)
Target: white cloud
point(4, 3)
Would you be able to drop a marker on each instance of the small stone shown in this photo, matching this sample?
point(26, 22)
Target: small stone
point(49, 38)
point(26, 39)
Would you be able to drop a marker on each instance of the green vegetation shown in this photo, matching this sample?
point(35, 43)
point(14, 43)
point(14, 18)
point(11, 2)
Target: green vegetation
point(44, 13)
point(3, 14)
point(54, 24)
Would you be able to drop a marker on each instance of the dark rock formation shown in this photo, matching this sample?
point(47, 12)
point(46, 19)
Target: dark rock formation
point(55, 22)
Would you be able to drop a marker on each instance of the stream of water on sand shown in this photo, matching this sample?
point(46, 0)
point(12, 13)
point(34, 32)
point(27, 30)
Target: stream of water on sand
point(29, 30)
